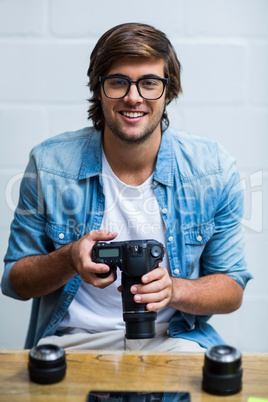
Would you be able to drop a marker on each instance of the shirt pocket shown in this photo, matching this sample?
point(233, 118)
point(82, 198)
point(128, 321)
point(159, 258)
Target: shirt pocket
point(61, 234)
point(195, 239)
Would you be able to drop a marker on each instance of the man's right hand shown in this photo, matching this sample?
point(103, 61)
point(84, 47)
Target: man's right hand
point(80, 256)
point(38, 275)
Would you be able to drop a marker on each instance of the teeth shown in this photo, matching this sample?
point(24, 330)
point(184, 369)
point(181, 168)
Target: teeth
point(133, 114)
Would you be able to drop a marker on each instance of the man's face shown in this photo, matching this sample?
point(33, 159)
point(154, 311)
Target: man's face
point(133, 119)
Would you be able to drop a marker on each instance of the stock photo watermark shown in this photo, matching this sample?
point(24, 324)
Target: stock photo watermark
point(250, 185)
point(253, 190)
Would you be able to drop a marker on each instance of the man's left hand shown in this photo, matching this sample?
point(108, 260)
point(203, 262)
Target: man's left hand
point(155, 291)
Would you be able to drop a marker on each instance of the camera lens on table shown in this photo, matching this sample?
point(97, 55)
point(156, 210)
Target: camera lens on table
point(47, 364)
point(222, 372)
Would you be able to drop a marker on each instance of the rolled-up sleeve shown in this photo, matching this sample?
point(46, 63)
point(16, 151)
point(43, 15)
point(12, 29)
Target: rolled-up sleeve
point(225, 251)
point(27, 235)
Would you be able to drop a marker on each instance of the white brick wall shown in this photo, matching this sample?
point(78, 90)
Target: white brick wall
point(223, 47)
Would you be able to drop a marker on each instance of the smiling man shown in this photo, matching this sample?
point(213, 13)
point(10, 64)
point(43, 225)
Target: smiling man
point(133, 109)
point(129, 177)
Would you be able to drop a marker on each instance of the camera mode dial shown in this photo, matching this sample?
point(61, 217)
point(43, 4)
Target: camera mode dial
point(156, 251)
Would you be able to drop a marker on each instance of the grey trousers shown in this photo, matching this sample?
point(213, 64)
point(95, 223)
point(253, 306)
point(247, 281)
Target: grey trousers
point(115, 340)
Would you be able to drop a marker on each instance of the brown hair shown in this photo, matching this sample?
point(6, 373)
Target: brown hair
point(131, 40)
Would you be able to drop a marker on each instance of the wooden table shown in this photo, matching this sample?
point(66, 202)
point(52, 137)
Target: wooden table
point(125, 371)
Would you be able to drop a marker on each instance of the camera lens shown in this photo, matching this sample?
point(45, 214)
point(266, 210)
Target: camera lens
point(140, 325)
point(47, 364)
point(222, 372)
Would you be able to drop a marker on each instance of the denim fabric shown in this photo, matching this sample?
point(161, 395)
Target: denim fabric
point(198, 190)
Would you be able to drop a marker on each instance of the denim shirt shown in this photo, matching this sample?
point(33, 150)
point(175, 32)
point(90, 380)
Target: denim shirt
point(200, 198)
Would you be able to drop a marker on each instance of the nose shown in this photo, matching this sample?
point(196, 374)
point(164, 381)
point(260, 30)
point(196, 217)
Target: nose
point(133, 95)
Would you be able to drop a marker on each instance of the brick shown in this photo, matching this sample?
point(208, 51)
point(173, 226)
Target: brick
point(67, 118)
point(212, 73)
point(241, 130)
point(227, 326)
point(14, 316)
point(4, 234)
point(227, 17)
point(82, 18)
point(175, 114)
point(20, 130)
point(254, 253)
point(252, 325)
point(25, 17)
point(239, 328)
point(258, 67)
point(9, 186)
point(255, 220)
point(44, 72)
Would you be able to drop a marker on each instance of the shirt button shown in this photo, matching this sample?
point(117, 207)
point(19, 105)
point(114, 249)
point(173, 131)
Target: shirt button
point(164, 211)
point(199, 238)
point(61, 236)
point(170, 238)
point(155, 183)
point(176, 271)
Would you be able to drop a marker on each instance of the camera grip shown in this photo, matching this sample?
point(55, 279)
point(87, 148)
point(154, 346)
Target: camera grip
point(140, 323)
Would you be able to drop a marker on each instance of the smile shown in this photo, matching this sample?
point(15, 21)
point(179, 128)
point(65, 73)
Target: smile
point(132, 115)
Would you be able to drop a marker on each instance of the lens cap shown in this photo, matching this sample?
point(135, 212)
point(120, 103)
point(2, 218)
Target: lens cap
point(47, 364)
point(222, 372)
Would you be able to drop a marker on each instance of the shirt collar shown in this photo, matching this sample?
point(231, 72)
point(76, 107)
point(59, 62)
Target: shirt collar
point(164, 170)
point(91, 163)
point(92, 158)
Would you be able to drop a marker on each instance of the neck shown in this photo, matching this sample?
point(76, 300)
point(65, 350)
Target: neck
point(132, 163)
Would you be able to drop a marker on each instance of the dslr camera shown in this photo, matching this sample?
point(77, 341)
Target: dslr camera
point(134, 258)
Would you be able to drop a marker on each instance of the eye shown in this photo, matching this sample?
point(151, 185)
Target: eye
point(117, 82)
point(150, 83)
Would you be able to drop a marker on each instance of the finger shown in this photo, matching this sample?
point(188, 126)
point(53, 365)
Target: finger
point(99, 235)
point(151, 287)
point(86, 247)
point(90, 266)
point(94, 280)
point(81, 249)
point(156, 306)
point(146, 289)
point(151, 297)
point(101, 282)
point(155, 274)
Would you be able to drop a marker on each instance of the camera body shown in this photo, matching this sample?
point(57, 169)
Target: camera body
point(134, 258)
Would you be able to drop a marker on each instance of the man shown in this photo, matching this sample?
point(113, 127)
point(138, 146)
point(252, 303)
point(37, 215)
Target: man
point(129, 177)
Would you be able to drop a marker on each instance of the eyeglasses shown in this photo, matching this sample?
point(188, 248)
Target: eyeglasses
point(116, 87)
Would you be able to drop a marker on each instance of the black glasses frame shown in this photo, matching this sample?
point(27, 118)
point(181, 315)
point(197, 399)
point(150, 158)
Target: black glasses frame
point(103, 79)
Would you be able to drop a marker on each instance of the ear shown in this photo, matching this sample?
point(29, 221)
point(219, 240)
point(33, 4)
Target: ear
point(167, 100)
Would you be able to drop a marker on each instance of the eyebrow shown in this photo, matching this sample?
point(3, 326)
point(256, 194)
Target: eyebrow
point(140, 78)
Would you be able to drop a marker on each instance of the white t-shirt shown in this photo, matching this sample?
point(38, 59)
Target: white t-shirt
point(133, 213)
